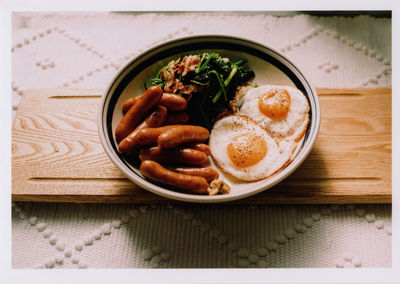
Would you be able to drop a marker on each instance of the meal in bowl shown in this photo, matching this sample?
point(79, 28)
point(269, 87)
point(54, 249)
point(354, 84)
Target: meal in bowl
point(201, 122)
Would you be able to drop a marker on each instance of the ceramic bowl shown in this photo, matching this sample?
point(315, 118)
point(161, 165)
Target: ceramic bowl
point(270, 67)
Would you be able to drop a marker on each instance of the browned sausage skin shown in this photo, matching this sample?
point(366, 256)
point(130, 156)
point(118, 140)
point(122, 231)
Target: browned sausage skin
point(172, 102)
point(144, 137)
point(182, 134)
point(155, 172)
point(148, 136)
point(131, 119)
point(126, 105)
point(174, 156)
point(206, 172)
point(156, 118)
point(177, 118)
point(201, 147)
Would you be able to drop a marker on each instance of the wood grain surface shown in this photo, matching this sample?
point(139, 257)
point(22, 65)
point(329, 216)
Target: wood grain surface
point(57, 155)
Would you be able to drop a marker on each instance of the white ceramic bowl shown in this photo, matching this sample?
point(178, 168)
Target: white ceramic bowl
point(270, 67)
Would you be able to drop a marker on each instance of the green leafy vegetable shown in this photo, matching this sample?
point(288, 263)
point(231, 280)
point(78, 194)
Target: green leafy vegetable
point(206, 78)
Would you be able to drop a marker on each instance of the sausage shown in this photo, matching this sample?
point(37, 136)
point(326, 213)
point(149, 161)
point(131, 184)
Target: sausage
point(177, 118)
point(156, 118)
point(126, 105)
point(131, 119)
point(182, 134)
point(171, 101)
point(208, 173)
point(148, 136)
point(174, 156)
point(144, 137)
point(201, 147)
point(156, 172)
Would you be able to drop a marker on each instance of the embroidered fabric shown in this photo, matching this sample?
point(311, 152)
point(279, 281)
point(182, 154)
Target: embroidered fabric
point(85, 50)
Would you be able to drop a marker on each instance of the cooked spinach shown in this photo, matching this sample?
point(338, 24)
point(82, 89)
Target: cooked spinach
point(214, 80)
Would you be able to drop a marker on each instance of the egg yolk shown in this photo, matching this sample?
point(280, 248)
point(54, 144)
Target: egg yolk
point(246, 150)
point(275, 103)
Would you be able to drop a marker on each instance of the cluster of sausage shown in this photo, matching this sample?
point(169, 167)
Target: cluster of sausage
point(154, 128)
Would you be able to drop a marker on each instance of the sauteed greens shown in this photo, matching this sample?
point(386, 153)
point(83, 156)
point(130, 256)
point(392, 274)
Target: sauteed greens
point(208, 81)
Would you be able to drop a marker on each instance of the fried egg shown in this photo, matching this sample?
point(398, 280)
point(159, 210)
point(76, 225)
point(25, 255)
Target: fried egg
point(243, 149)
point(281, 110)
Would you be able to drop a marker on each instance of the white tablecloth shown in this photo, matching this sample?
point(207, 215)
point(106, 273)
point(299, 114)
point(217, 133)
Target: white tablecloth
point(85, 50)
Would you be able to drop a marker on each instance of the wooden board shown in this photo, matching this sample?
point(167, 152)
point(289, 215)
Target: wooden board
point(57, 156)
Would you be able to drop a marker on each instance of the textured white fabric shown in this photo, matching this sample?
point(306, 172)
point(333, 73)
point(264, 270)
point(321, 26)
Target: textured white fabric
point(74, 50)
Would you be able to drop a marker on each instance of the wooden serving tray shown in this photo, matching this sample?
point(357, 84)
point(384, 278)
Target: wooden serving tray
point(57, 155)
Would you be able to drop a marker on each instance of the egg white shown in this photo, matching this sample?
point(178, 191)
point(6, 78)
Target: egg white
point(291, 128)
point(222, 134)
